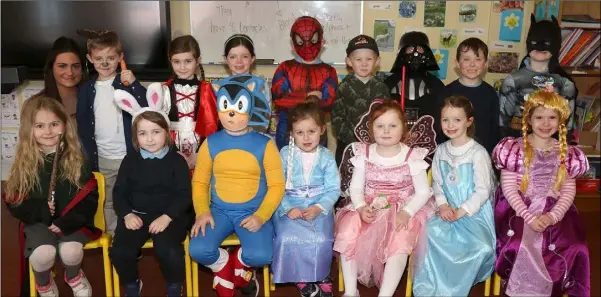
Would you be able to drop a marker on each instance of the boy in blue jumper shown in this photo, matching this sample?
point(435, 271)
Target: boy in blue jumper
point(105, 130)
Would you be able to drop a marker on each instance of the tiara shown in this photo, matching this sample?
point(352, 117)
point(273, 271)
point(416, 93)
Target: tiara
point(239, 35)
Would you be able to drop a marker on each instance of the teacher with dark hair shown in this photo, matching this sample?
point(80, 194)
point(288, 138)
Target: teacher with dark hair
point(63, 73)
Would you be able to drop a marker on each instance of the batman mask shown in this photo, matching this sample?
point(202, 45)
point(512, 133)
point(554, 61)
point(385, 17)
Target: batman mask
point(415, 54)
point(543, 36)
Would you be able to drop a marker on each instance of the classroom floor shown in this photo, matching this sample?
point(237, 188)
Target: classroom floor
point(155, 286)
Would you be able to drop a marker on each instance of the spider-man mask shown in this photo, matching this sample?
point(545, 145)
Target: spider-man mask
point(307, 34)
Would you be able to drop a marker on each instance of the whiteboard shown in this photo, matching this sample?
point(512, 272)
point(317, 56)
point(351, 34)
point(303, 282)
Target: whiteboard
point(268, 24)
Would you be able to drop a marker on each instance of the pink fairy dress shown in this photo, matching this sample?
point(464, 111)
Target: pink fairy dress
point(388, 188)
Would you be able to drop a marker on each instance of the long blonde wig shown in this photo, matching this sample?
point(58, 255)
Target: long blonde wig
point(29, 158)
point(559, 105)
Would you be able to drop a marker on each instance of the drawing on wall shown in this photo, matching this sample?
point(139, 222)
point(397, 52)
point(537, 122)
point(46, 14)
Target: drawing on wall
point(384, 34)
point(502, 62)
point(467, 13)
point(448, 37)
point(407, 9)
point(502, 5)
point(10, 110)
point(553, 9)
point(442, 58)
point(9, 146)
point(511, 25)
point(434, 13)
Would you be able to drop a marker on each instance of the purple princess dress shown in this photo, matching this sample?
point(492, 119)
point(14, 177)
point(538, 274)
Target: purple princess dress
point(552, 262)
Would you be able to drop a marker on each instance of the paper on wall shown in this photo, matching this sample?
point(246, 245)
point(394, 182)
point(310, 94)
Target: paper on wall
point(387, 5)
point(30, 91)
point(473, 31)
point(8, 142)
point(10, 110)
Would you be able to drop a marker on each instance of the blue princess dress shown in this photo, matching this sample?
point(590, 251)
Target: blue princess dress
point(302, 250)
point(452, 257)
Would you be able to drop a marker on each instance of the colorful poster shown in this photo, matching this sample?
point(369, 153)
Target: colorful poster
point(384, 34)
point(553, 9)
point(502, 5)
point(502, 62)
point(511, 25)
point(540, 9)
point(434, 13)
point(448, 37)
point(407, 9)
point(442, 58)
point(467, 13)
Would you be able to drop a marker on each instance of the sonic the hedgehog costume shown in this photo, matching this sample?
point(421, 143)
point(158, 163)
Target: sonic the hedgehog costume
point(237, 185)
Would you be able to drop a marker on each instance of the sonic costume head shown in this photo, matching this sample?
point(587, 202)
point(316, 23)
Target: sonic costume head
point(240, 103)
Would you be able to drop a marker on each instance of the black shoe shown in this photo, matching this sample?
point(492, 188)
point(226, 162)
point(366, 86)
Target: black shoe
point(133, 289)
point(174, 289)
point(252, 289)
point(325, 287)
point(140, 255)
point(308, 289)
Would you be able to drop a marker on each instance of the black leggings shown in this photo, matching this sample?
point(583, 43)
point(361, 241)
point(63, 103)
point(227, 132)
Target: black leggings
point(168, 249)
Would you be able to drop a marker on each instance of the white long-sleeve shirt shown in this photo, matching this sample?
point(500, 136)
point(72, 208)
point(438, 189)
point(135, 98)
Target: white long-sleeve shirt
point(417, 167)
point(484, 180)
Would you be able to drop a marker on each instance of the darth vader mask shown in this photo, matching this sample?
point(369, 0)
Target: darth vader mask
point(415, 54)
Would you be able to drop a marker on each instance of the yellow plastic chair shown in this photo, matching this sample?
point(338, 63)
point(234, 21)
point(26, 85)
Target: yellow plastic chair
point(231, 240)
point(149, 245)
point(102, 242)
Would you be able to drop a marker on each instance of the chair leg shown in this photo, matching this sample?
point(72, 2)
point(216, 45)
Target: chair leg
point(497, 285)
point(487, 287)
point(32, 290)
point(188, 267)
point(340, 277)
point(116, 287)
point(409, 288)
point(271, 283)
point(266, 286)
point(106, 262)
point(195, 279)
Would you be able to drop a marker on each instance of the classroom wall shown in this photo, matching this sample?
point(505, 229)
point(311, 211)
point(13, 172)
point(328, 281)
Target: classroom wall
point(486, 19)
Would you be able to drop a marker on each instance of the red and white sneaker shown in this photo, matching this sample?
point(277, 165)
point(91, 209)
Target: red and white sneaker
point(80, 285)
point(242, 273)
point(223, 280)
point(49, 290)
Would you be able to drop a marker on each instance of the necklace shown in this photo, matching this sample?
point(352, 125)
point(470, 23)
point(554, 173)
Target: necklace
point(453, 176)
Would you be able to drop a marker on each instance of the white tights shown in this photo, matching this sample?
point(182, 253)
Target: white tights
point(393, 272)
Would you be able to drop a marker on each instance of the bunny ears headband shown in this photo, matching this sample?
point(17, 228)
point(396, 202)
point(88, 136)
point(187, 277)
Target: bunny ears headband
point(128, 103)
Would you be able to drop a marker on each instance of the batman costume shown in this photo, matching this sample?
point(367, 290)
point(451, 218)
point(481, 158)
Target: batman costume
point(544, 35)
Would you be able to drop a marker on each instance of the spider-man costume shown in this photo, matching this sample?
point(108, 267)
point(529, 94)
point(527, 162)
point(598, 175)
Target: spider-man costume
point(294, 79)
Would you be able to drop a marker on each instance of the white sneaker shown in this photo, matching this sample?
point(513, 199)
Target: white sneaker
point(80, 285)
point(49, 290)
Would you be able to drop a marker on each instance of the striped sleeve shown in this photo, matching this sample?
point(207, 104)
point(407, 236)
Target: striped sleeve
point(510, 187)
point(566, 198)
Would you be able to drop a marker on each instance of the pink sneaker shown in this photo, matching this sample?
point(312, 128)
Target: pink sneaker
point(80, 285)
point(49, 290)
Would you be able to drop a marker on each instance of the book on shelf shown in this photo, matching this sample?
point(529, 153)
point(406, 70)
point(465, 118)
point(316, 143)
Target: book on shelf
point(580, 21)
point(579, 47)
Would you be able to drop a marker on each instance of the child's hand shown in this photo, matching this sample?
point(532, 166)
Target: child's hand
point(402, 220)
point(315, 93)
point(133, 222)
point(546, 220)
point(311, 212)
point(251, 223)
point(51, 207)
point(459, 213)
point(536, 225)
point(159, 224)
point(201, 223)
point(295, 213)
point(127, 76)
point(367, 214)
point(446, 213)
point(54, 228)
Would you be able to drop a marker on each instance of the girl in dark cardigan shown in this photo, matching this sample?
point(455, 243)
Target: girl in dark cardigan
point(61, 225)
